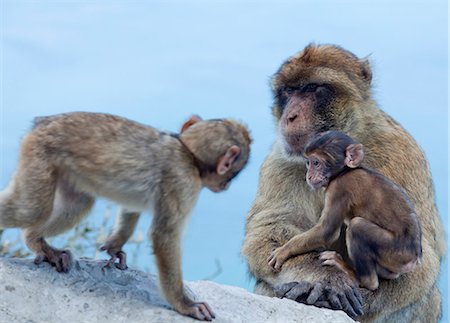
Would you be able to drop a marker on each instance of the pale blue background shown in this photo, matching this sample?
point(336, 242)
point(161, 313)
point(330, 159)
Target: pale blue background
point(158, 62)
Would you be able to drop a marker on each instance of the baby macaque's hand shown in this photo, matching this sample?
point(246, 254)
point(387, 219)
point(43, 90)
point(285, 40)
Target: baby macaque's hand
point(277, 258)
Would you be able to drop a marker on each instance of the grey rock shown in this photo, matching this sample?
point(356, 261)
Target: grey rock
point(32, 293)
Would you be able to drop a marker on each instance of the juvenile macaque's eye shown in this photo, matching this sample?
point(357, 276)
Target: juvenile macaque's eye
point(316, 163)
point(307, 163)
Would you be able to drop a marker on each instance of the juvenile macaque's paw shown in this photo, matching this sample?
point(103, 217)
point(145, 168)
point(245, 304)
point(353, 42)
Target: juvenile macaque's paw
point(115, 253)
point(200, 311)
point(277, 258)
point(60, 259)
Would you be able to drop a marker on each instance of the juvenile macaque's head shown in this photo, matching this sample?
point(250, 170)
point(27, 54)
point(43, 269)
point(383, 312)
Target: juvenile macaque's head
point(328, 154)
point(221, 145)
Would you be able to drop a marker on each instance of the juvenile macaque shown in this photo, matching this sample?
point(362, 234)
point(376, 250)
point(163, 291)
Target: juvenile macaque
point(383, 235)
point(67, 160)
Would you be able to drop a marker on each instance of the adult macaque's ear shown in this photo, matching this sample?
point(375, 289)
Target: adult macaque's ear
point(226, 161)
point(354, 155)
point(193, 119)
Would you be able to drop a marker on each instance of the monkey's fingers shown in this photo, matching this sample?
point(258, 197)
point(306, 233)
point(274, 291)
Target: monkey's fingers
point(200, 312)
point(39, 259)
point(299, 291)
point(325, 304)
point(62, 261)
point(355, 300)
point(315, 293)
point(272, 260)
point(281, 290)
point(329, 262)
point(110, 262)
point(329, 255)
point(122, 265)
point(347, 307)
point(206, 311)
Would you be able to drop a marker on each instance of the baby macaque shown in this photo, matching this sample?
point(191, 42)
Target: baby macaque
point(69, 159)
point(383, 235)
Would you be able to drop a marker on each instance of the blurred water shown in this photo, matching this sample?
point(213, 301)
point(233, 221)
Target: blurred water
point(158, 62)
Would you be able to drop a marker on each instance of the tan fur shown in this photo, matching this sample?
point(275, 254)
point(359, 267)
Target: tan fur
point(67, 160)
point(285, 206)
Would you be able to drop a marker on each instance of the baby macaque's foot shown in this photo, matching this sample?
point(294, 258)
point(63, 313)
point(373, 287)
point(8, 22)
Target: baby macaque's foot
point(332, 258)
point(369, 282)
point(277, 258)
point(121, 255)
point(60, 259)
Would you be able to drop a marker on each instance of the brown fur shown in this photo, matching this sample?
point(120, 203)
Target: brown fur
point(383, 235)
point(67, 160)
point(285, 206)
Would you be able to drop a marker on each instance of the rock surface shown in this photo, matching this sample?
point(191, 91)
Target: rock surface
point(30, 293)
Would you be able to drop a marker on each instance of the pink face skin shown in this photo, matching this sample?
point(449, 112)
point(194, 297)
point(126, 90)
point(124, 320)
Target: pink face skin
point(317, 175)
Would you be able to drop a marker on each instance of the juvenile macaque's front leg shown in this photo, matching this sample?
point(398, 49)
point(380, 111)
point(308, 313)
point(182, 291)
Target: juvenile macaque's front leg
point(125, 224)
point(166, 247)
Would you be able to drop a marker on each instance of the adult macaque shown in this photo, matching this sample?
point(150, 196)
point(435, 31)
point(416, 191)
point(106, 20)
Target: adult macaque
point(383, 234)
point(328, 88)
point(67, 160)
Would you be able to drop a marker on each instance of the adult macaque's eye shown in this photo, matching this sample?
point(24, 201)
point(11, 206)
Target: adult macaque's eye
point(307, 163)
point(316, 163)
point(312, 87)
point(289, 90)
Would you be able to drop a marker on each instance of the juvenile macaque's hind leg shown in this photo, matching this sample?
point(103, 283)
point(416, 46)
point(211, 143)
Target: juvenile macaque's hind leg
point(385, 273)
point(60, 259)
point(28, 200)
point(69, 207)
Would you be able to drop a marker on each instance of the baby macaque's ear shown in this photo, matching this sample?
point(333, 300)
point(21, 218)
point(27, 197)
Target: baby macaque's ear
point(193, 119)
point(225, 162)
point(354, 155)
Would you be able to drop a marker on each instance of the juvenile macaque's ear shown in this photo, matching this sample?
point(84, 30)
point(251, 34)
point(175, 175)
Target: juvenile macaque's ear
point(193, 119)
point(226, 161)
point(354, 155)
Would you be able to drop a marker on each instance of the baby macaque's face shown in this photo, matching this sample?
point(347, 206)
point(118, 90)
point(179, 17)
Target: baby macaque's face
point(318, 174)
